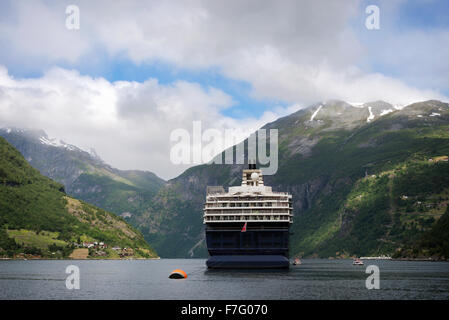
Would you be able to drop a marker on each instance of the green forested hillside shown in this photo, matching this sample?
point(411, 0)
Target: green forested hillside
point(37, 217)
point(434, 243)
point(359, 187)
point(382, 187)
point(384, 213)
point(84, 175)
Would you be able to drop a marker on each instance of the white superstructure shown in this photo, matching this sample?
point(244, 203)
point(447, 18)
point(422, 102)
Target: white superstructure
point(250, 202)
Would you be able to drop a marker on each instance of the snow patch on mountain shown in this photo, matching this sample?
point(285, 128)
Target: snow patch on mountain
point(357, 104)
point(13, 130)
point(371, 114)
point(50, 142)
point(315, 113)
point(387, 111)
point(43, 139)
point(94, 154)
point(57, 143)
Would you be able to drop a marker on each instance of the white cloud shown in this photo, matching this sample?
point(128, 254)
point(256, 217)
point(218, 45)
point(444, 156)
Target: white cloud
point(297, 51)
point(128, 123)
point(37, 30)
point(420, 56)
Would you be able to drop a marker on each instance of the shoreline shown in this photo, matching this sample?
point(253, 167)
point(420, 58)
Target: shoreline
point(68, 259)
point(159, 258)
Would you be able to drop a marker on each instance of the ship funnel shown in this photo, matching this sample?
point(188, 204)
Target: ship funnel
point(252, 164)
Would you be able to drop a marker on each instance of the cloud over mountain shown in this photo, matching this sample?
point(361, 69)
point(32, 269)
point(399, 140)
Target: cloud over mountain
point(128, 123)
point(297, 51)
point(294, 52)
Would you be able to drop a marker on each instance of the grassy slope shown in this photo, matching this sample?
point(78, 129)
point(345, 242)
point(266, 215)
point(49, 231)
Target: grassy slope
point(348, 214)
point(30, 201)
point(339, 222)
point(173, 222)
point(434, 242)
point(85, 176)
point(112, 195)
point(383, 213)
point(334, 221)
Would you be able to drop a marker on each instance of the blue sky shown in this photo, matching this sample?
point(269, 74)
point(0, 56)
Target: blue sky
point(141, 69)
point(119, 68)
point(397, 17)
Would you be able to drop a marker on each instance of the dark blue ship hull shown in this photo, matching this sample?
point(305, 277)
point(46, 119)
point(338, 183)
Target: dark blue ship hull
point(261, 246)
point(248, 262)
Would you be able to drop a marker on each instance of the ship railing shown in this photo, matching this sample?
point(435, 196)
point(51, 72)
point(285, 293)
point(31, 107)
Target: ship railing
point(240, 199)
point(249, 214)
point(253, 218)
point(248, 209)
point(243, 219)
point(251, 228)
point(249, 249)
point(214, 206)
point(248, 203)
point(253, 213)
point(265, 211)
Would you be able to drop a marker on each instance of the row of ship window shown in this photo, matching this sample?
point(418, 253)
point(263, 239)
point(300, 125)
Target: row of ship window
point(247, 199)
point(222, 218)
point(247, 205)
point(244, 211)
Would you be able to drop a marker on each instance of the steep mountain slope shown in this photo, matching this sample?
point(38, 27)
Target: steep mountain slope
point(351, 169)
point(84, 174)
point(38, 218)
point(434, 242)
point(329, 154)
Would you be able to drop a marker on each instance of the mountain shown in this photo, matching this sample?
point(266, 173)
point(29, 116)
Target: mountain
point(83, 173)
point(434, 242)
point(38, 219)
point(366, 180)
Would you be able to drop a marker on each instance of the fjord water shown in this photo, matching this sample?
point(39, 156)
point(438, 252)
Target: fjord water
point(148, 279)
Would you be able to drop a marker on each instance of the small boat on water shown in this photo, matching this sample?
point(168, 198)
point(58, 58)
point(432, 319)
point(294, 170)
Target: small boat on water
point(296, 262)
point(357, 262)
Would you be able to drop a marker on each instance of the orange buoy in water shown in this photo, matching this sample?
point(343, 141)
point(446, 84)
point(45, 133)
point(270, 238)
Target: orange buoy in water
point(178, 274)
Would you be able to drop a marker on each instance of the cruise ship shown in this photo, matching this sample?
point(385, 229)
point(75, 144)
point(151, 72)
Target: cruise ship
point(248, 226)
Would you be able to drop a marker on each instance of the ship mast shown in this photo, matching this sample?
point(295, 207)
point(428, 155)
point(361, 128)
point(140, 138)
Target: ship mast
point(252, 176)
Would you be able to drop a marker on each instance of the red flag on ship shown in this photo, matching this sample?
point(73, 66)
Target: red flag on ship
point(244, 227)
